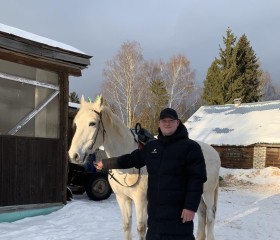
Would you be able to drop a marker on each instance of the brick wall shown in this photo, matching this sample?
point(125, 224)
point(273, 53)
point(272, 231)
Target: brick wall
point(259, 157)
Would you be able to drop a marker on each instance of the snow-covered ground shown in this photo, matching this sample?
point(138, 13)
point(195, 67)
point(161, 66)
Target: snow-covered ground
point(248, 209)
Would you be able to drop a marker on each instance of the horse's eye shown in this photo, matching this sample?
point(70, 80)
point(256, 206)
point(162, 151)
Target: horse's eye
point(91, 124)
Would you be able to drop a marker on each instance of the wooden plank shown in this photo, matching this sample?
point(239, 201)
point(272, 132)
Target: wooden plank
point(272, 157)
point(32, 171)
point(64, 133)
point(43, 51)
point(44, 180)
point(28, 81)
point(43, 63)
point(22, 168)
point(8, 159)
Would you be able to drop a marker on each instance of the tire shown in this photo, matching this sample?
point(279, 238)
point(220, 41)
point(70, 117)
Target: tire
point(98, 187)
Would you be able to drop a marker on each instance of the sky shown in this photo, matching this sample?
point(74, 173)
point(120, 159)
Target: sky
point(248, 208)
point(163, 28)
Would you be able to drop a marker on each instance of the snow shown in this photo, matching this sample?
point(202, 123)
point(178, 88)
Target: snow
point(74, 105)
point(249, 123)
point(248, 208)
point(37, 38)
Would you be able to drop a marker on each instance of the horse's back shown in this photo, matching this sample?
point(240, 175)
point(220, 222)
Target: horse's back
point(213, 164)
point(211, 156)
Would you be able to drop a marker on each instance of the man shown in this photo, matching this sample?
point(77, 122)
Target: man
point(177, 171)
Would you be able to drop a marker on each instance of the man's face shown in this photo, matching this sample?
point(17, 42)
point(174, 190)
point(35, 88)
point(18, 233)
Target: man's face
point(168, 126)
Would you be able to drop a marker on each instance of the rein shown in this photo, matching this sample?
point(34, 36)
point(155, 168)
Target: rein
point(139, 171)
point(116, 180)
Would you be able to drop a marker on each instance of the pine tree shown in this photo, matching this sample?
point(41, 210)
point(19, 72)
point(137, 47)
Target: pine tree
point(248, 70)
point(73, 97)
point(221, 74)
point(159, 98)
point(235, 75)
point(227, 66)
point(212, 93)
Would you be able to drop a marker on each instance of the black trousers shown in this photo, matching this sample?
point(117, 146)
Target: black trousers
point(154, 236)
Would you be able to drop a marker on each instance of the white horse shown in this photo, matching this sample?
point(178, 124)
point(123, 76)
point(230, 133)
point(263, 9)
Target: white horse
point(97, 125)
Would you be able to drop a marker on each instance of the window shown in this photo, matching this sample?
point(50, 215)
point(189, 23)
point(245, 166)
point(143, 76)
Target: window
point(29, 102)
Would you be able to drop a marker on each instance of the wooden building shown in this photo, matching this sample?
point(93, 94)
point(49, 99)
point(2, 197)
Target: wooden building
point(246, 135)
point(34, 90)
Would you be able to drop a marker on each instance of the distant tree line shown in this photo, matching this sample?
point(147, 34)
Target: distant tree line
point(137, 89)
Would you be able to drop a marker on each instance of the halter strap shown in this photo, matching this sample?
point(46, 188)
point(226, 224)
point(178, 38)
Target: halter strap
point(98, 128)
point(96, 135)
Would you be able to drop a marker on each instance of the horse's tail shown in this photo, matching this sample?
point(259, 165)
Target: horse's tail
point(216, 193)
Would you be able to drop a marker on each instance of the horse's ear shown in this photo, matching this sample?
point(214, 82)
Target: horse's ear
point(82, 99)
point(99, 100)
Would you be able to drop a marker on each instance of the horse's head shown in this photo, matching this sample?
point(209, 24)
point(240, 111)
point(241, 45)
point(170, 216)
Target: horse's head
point(89, 133)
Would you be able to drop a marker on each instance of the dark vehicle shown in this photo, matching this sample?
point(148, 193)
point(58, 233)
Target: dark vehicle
point(87, 179)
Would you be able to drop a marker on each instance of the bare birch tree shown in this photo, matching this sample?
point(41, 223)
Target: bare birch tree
point(269, 90)
point(156, 97)
point(126, 82)
point(179, 81)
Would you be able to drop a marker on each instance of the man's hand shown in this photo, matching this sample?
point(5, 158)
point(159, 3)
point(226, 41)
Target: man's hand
point(98, 164)
point(187, 215)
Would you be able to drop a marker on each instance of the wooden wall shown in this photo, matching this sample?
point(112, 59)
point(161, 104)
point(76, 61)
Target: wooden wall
point(243, 157)
point(236, 157)
point(31, 171)
point(272, 157)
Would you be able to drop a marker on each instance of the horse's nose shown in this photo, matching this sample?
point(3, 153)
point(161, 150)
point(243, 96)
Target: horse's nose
point(76, 157)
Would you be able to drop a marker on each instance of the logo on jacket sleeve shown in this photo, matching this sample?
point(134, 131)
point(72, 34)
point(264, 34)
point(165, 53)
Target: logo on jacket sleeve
point(154, 151)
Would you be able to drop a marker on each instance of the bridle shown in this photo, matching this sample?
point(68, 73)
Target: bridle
point(96, 135)
point(109, 172)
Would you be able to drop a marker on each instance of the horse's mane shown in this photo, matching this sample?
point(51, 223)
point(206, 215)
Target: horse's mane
point(113, 120)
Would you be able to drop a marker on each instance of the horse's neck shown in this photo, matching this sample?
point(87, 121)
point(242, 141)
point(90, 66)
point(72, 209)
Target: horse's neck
point(118, 141)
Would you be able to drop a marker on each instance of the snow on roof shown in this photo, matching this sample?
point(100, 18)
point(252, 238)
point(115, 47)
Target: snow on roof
point(247, 124)
point(74, 105)
point(37, 38)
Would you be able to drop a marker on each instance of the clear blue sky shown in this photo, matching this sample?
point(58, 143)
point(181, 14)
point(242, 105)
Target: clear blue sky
point(163, 28)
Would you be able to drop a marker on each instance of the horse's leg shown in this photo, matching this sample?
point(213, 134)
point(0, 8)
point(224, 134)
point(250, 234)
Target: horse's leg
point(201, 213)
point(207, 212)
point(211, 206)
point(126, 210)
point(141, 216)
